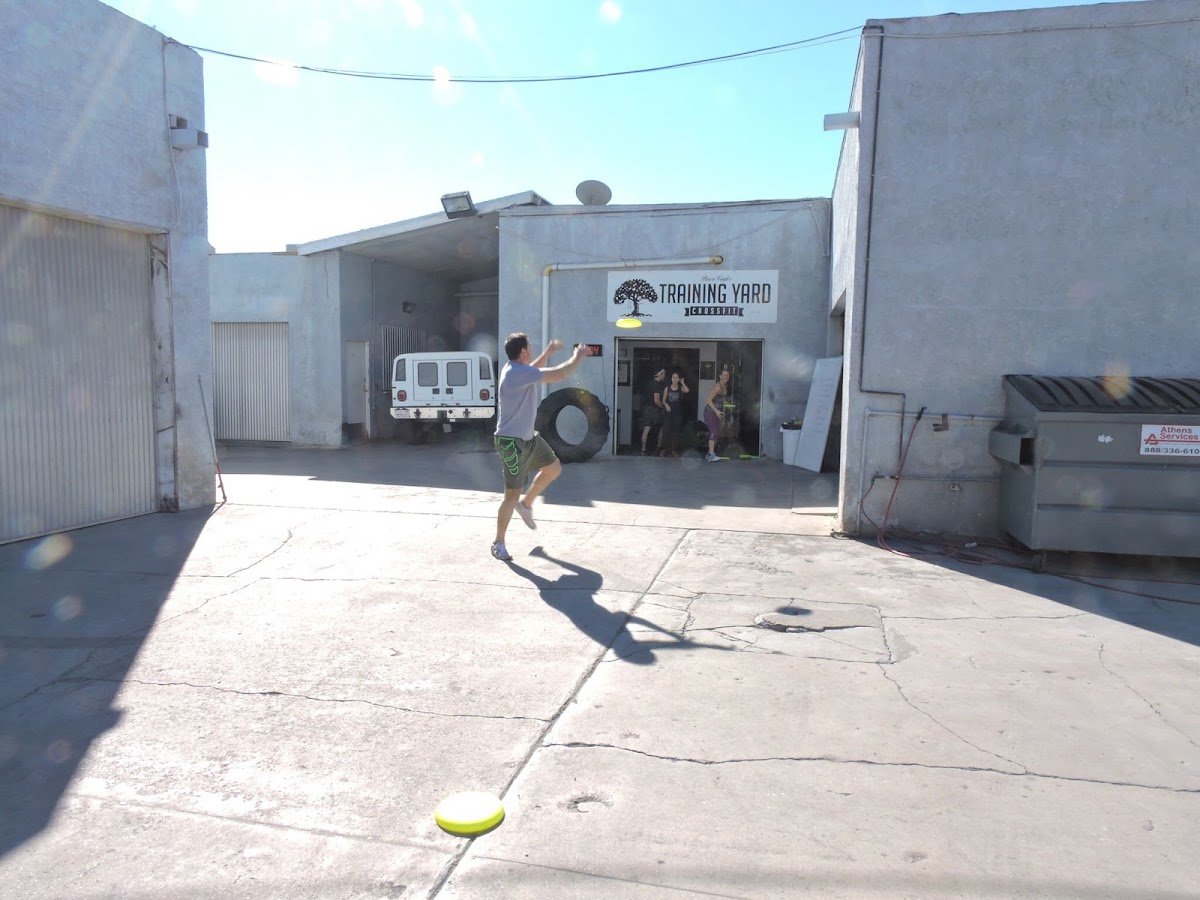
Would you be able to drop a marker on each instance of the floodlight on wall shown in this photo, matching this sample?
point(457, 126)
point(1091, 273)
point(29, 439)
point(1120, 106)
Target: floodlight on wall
point(183, 136)
point(842, 121)
point(458, 205)
point(408, 306)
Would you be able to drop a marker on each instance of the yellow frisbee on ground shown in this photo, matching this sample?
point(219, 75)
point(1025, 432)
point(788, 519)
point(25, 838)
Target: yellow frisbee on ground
point(469, 813)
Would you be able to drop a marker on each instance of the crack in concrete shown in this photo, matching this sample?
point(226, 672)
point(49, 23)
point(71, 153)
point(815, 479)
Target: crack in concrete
point(115, 642)
point(887, 643)
point(679, 587)
point(664, 605)
point(689, 617)
point(844, 760)
point(617, 878)
point(944, 726)
point(265, 557)
point(802, 629)
point(254, 823)
point(981, 618)
point(572, 697)
point(288, 694)
point(194, 609)
point(64, 677)
point(65, 643)
point(1187, 737)
point(737, 639)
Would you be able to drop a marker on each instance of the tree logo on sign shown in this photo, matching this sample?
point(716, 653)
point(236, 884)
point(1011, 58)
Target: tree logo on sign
point(636, 291)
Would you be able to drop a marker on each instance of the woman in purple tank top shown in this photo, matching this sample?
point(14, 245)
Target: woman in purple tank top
point(714, 412)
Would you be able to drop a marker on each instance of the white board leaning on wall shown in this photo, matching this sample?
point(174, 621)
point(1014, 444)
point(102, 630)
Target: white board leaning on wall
point(818, 414)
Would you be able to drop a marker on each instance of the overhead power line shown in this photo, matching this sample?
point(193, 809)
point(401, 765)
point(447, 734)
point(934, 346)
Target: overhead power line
point(832, 37)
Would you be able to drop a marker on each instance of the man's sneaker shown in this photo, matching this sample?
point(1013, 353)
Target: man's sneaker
point(712, 457)
point(501, 552)
point(526, 515)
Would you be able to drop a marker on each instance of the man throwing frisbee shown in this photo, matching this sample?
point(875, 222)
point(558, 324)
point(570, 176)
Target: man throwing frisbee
point(521, 449)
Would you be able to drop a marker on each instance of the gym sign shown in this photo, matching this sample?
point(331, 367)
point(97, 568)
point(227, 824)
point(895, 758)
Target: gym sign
point(700, 297)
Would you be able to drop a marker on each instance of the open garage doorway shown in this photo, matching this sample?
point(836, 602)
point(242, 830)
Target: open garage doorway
point(699, 363)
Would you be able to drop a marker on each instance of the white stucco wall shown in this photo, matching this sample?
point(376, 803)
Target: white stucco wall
point(269, 287)
point(790, 236)
point(329, 298)
point(1033, 208)
point(84, 97)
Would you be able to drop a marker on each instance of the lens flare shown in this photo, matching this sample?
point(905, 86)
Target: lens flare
point(1117, 381)
point(48, 551)
point(60, 751)
point(68, 608)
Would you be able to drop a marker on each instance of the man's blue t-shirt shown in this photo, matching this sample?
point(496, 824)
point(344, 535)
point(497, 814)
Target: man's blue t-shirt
point(516, 399)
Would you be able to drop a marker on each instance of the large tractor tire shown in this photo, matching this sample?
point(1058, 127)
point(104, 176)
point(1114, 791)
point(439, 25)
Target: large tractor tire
point(597, 418)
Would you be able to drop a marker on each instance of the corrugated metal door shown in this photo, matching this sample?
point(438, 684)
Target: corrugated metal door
point(250, 381)
point(395, 340)
point(76, 375)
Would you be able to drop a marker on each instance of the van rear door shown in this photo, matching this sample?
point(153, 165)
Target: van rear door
point(427, 382)
point(457, 386)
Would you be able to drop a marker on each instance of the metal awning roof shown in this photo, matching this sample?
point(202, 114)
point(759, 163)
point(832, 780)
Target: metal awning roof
point(467, 248)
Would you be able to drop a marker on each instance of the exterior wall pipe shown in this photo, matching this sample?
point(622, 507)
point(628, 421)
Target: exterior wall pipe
point(616, 264)
point(874, 31)
point(892, 414)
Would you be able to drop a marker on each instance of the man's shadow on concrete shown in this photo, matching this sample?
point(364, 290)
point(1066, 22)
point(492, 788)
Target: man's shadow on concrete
point(573, 594)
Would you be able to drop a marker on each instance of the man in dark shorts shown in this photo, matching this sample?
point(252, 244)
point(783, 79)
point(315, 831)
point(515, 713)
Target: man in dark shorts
point(652, 406)
point(521, 449)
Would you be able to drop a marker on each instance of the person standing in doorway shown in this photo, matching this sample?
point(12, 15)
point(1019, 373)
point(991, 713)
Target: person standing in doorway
point(714, 413)
point(652, 407)
point(672, 397)
point(521, 449)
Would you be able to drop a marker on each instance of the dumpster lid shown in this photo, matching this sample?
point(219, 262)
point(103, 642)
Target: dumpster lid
point(1109, 393)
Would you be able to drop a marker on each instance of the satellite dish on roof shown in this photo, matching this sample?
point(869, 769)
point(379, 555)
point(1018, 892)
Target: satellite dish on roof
point(593, 193)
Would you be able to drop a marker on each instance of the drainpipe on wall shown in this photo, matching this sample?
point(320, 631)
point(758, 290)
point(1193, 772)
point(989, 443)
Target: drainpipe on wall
point(875, 31)
point(618, 264)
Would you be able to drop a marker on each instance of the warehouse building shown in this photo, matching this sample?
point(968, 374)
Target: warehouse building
point(104, 348)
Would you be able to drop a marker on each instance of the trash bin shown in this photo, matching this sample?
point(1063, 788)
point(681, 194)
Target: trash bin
point(790, 432)
point(1100, 465)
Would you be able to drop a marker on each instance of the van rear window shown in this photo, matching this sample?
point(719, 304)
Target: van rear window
point(401, 373)
point(485, 368)
point(456, 373)
point(427, 374)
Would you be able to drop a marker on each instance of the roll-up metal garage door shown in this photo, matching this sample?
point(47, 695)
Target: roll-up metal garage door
point(250, 381)
point(76, 375)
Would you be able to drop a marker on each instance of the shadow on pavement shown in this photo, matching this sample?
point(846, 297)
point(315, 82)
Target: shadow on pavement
point(1158, 594)
point(460, 462)
point(77, 607)
point(573, 594)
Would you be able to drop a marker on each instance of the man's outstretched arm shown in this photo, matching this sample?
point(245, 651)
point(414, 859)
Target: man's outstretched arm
point(563, 370)
point(545, 354)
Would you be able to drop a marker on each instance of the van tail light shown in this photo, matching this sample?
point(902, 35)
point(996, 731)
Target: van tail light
point(484, 395)
point(401, 396)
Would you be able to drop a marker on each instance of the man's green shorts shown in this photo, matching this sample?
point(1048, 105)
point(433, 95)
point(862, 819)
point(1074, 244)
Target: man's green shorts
point(519, 458)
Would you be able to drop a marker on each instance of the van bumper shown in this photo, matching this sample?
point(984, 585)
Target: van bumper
point(443, 413)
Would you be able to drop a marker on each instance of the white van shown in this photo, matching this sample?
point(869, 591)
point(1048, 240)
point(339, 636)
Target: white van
point(443, 387)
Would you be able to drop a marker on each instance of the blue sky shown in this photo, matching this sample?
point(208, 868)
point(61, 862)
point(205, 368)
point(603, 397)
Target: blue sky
point(297, 156)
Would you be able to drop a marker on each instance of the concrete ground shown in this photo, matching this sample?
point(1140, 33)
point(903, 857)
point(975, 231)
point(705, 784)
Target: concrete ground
point(683, 686)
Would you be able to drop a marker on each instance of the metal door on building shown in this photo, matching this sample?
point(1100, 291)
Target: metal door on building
point(77, 442)
point(356, 390)
point(251, 393)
